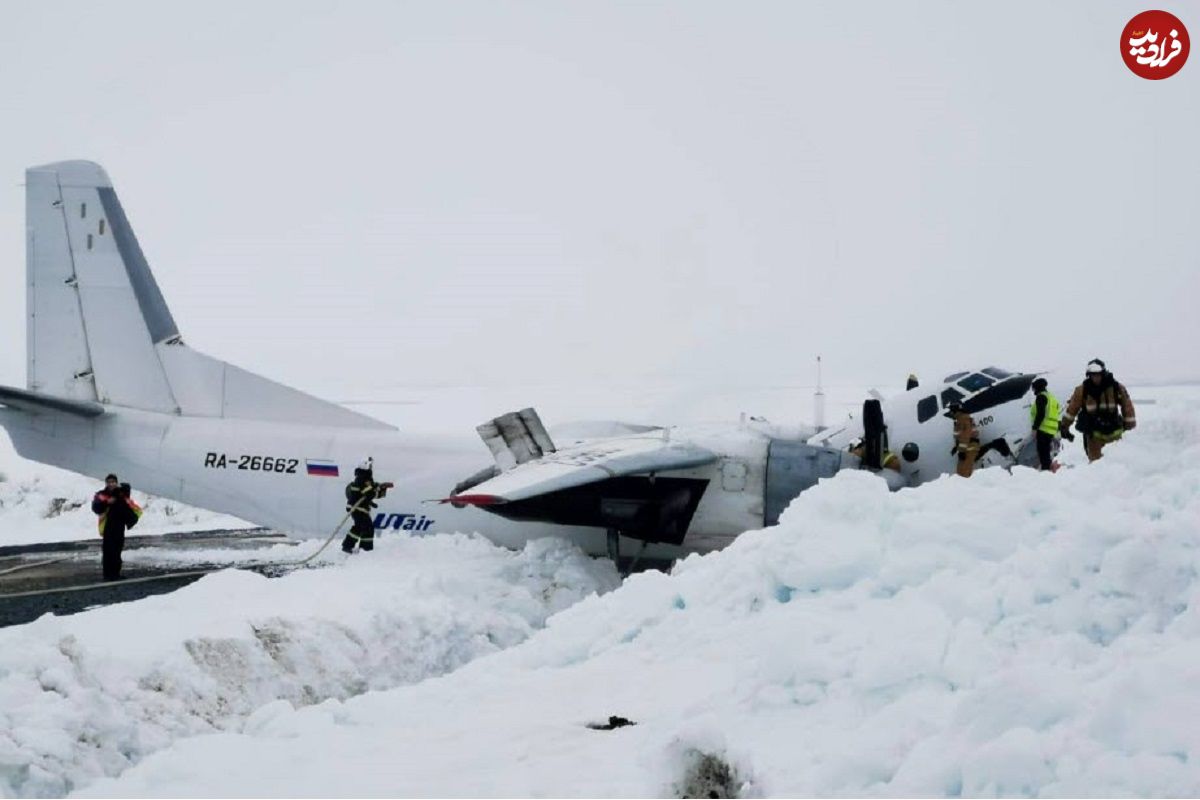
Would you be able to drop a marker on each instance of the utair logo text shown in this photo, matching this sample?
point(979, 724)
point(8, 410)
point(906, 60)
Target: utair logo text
point(402, 522)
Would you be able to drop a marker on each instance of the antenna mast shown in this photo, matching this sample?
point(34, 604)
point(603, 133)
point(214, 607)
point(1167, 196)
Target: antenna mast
point(819, 401)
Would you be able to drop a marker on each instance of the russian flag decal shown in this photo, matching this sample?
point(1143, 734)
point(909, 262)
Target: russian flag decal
point(325, 469)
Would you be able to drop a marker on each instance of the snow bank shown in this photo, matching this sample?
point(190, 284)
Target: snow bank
point(171, 554)
point(1016, 634)
point(39, 503)
point(88, 695)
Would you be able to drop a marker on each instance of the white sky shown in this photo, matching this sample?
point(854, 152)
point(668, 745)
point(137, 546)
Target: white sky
point(348, 197)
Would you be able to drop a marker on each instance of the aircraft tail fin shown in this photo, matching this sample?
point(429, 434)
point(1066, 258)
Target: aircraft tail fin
point(100, 331)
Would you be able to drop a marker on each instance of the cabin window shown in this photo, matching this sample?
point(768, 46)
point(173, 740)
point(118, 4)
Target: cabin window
point(951, 395)
point(83, 210)
point(927, 408)
point(975, 382)
point(102, 227)
point(89, 241)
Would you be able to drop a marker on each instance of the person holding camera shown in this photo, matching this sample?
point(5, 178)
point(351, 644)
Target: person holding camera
point(117, 512)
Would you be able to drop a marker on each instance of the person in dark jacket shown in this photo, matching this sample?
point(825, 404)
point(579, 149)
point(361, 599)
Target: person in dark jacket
point(1104, 409)
point(361, 494)
point(117, 512)
point(1043, 415)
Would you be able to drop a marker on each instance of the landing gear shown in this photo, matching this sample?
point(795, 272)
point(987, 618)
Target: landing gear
point(614, 547)
point(614, 552)
point(638, 558)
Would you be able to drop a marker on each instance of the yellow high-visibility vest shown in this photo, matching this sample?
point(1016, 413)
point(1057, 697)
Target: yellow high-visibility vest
point(1050, 423)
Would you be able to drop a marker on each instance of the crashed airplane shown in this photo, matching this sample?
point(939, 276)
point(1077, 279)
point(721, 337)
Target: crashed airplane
point(113, 387)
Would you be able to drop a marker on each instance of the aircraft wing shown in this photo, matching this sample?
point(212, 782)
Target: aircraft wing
point(585, 463)
point(35, 402)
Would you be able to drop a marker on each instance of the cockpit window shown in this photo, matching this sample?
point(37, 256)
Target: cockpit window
point(975, 381)
point(1005, 391)
point(997, 373)
point(951, 395)
point(926, 408)
point(953, 378)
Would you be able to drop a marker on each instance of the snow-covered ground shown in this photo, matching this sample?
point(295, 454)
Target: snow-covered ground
point(91, 694)
point(1018, 633)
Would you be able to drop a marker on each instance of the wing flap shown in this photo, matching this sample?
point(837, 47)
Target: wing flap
point(583, 464)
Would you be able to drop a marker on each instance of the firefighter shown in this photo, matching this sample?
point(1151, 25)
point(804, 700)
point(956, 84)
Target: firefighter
point(1043, 416)
point(116, 510)
point(361, 494)
point(1103, 407)
point(966, 439)
point(887, 459)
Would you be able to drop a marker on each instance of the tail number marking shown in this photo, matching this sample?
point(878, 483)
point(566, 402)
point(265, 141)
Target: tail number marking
point(251, 463)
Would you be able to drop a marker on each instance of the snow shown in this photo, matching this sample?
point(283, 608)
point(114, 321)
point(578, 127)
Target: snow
point(1012, 634)
point(88, 695)
point(164, 555)
point(39, 503)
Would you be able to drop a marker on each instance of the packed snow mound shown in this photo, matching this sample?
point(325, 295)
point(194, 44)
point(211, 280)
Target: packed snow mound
point(88, 695)
point(1012, 634)
point(40, 503)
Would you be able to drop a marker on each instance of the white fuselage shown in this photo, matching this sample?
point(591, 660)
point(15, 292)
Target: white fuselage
point(258, 471)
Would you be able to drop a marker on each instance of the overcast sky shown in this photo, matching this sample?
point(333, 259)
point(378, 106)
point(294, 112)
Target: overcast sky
point(355, 196)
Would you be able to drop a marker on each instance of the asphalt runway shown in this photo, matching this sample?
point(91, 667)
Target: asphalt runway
point(78, 564)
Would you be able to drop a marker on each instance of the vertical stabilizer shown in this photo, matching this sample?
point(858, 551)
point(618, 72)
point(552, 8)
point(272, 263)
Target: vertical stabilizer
point(95, 312)
point(100, 330)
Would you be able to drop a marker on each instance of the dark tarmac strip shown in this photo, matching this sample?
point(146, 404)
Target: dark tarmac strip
point(69, 564)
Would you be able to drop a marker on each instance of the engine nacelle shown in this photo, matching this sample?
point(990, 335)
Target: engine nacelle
point(793, 467)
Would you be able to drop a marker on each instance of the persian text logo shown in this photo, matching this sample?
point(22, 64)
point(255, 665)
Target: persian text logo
point(1155, 45)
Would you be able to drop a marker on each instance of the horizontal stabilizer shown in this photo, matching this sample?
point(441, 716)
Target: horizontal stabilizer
point(35, 402)
point(586, 463)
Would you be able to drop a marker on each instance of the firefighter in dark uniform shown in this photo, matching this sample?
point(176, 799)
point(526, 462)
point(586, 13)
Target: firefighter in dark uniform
point(117, 512)
point(361, 494)
point(1043, 416)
